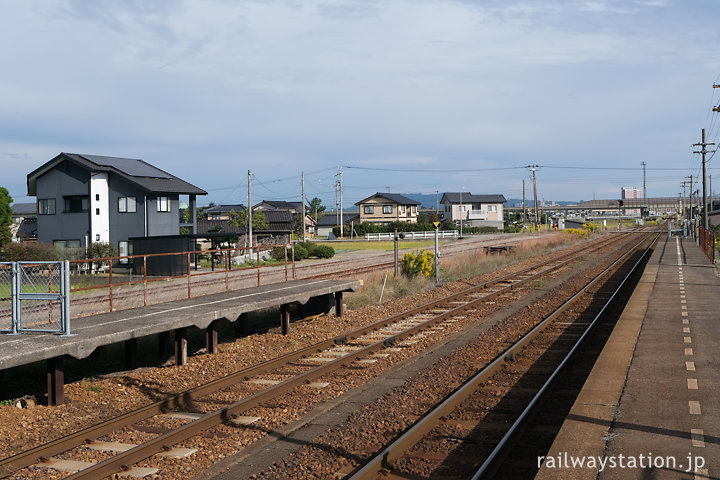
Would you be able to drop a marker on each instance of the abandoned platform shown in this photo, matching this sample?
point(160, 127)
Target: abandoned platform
point(92, 332)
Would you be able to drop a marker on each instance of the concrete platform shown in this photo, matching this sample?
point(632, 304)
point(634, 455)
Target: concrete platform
point(127, 326)
point(650, 409)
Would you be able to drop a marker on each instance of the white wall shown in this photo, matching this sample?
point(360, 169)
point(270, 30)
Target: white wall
point(99, 201)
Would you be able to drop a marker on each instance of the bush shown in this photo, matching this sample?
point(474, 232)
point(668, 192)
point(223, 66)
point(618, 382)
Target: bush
point(278, 253)
point(324, 251)
point(301, 253)
point(18, 252)
point(419, 262)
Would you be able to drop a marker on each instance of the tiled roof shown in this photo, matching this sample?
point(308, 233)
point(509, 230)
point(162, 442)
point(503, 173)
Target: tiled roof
point(393, 197)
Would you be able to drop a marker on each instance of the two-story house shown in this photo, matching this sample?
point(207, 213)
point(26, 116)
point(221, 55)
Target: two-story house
point(474, 210)
point(88, 198)
point(388, 208)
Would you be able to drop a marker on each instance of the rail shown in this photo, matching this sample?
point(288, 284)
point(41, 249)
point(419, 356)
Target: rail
point(387, 457)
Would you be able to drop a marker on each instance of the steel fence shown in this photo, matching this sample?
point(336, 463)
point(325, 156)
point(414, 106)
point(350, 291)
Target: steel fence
point(706, 240)
point(35, 297)
point(108, 284)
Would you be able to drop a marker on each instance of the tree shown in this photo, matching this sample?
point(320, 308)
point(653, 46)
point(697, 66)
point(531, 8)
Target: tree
point(316, 208)
point(5, 217)
point(241, 219)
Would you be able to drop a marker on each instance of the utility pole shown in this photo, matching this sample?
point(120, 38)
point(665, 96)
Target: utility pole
point(644, 164)
point(524, 211)
point(339, 175)
point(437, 203)
point(691, 197)
point(303, 205)
point(533, 167)
point(704, 152)
point(249, 211)
point(682, 210)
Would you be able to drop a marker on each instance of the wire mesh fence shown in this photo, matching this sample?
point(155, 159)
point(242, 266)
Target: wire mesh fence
point(34, 297)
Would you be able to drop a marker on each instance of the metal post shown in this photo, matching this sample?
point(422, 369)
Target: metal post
point(303, 206)
point(65, 292)
point(437, 255)
point(258, 266)
point(145, 280)
point(111, 286)
point(286, 262)
point(227, 269)
point(15, 298)
point(395, 253)
point(189, 276)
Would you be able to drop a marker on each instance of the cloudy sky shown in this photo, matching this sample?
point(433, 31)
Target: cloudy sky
point(407, 95)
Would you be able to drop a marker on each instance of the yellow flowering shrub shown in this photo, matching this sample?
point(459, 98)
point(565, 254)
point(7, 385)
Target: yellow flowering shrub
point(418, 262)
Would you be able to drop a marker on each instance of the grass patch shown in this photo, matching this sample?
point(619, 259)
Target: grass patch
point(93, 388)
point(457, 267)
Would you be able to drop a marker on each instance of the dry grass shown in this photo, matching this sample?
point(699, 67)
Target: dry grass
point(458, 267)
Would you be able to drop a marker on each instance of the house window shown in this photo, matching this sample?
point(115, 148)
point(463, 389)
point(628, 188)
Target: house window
point(368, 209)
point(492, 208)
point(215, 216)
point(97, 197)
point(76, 203)
point(163, 204)
point(124, 249)
point(128, 205)
point(67, 243)
point(387, 208)
point(46, 206)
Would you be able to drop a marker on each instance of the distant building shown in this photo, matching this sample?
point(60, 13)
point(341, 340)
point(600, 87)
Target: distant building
point(330, 220)
point(24, 222)
point(631, 192)
point(474, 210)
point(83, 199)
point(388, 208)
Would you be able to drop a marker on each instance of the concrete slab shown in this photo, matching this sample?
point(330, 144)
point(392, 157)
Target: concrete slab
point(657, 414)
point(108, 328)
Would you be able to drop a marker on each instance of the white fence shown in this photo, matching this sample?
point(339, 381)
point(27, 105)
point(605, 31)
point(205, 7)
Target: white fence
point(412, 235)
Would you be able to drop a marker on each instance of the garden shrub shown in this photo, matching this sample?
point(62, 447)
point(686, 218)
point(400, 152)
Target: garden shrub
point(418, 262)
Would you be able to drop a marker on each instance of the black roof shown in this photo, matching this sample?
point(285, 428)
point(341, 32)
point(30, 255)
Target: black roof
point(329, 220)
point(393, 197)
point(279, 221)
point(27, 228)
point(281, 204)
point(226, 208)
point(467, 197)
point(20, 209)
point(138, 172)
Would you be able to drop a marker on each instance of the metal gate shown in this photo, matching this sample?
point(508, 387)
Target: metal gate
point(35, 297)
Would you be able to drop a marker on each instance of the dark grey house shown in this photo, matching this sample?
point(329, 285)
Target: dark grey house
point(88, 198)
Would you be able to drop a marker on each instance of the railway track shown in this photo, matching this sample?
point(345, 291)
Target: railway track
point(128, 296)
point(470, 433)
point(119, 443)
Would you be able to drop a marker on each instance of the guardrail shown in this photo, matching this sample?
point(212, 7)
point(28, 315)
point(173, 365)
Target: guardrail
point(35, 297)
point(706, 240)
point(412, 235)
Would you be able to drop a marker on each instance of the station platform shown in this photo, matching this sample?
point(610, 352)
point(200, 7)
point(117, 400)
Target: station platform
point(650, 408)
point(89, 333)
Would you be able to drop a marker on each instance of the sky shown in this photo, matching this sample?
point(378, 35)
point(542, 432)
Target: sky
point(407, 96)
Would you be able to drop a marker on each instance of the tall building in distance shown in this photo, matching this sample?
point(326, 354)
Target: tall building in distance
point(631, 192)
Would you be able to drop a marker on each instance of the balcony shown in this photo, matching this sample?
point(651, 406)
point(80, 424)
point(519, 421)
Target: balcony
point(477, 215)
